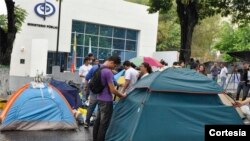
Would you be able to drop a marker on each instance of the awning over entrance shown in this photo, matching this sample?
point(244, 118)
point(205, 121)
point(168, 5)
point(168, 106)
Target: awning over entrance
point(242, 55)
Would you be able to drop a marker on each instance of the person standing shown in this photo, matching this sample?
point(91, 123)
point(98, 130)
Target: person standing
point(214, 72)
point(192, 64)
point(131, 76)
point(145, 69)
point(243, 84)
point(202, 69)
point(95, 61)
point(105, 99)
point(83, 71)
point(164, 65)
point(223, 75)
point(92, 96)
point(176, 65)
point(91, 58)
point(182, 64)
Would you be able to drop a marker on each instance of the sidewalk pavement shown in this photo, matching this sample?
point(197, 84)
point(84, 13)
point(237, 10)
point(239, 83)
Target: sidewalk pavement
point(80, 134)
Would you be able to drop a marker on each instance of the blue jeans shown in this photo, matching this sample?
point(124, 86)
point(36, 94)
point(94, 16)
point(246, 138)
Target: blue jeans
point(242, 86)
point(215, 78)
point(85, 93)
point(91, 107)
point(223, 81)
point(105, 110)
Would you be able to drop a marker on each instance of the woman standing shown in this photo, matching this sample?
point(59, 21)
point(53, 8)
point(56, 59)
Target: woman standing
point(202, 69)
point(145, 69)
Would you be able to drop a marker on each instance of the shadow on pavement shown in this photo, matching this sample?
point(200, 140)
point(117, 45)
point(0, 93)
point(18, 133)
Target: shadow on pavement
point(81, 134)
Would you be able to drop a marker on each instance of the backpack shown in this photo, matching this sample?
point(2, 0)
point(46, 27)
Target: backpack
point(95, 84)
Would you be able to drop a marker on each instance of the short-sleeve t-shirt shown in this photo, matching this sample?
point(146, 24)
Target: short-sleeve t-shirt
point(83, 70)
point(132, 75)
point(223, 72)
point(107, 77)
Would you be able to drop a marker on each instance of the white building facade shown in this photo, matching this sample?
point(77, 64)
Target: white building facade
point(110, 27)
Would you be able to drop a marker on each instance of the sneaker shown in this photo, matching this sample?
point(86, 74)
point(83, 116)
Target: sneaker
point(86, 125)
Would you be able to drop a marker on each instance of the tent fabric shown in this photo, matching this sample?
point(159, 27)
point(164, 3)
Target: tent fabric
point(37, 109)
point(146, 115)
point(179, 80)
point(69, 92)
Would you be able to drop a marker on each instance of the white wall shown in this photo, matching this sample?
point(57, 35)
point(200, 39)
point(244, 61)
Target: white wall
point(117, 13)
point(28, 33)
point(38, 59)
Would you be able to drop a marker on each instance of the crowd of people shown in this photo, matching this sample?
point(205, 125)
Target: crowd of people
point(112, 66)
point(240, 75)
point(220, 74)
point(104, 99)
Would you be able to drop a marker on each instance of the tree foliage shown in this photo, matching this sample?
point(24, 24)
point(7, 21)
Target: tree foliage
point(20, 17)
point(3, 22)
point(204, 36)
point(233, 39)
point(144, 2)
point(190, 12)
point(168, 36)
point(9, 26)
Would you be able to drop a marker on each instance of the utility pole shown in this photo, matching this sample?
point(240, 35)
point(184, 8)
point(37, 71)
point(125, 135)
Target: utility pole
point(58, 33)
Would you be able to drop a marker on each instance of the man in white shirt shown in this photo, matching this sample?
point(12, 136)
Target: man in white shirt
point(83, 71)
point(223, 75)
point(131, 76)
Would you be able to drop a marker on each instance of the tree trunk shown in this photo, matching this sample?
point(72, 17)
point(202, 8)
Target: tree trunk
point(3, 38)
point(7, 39)
point(188, 17)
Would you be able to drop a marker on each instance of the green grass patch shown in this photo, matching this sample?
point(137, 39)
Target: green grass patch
point(3, 66)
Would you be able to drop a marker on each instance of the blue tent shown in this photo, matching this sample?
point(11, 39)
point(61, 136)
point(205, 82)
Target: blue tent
point(69, 92)
point(37, 107)
point(173, 105)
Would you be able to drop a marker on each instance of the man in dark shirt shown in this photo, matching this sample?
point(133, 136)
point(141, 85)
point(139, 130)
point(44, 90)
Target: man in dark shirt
point(243, 84)
point(105, 99)
point(214, 72)
point(192, 64)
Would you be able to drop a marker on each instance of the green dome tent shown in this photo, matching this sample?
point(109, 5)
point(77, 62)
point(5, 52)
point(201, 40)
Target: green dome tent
point(173, 105)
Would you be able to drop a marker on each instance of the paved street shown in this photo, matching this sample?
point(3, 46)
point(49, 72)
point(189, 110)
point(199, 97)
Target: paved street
point(80, 134)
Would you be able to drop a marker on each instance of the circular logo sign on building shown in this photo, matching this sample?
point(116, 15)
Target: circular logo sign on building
point(45, 9)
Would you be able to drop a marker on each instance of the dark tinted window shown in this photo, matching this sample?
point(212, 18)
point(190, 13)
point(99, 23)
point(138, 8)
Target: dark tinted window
point(104, 53)
point(79, 39)
point(118, 44)
point(131, 45)
point(132, 34)
point(93, 39)
point(77, 26)
point(94, 50)
point(119, 32)
point(79, 51)
point(92, 29)
point(78, 62)
point(106, 31)
point(105, 42)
